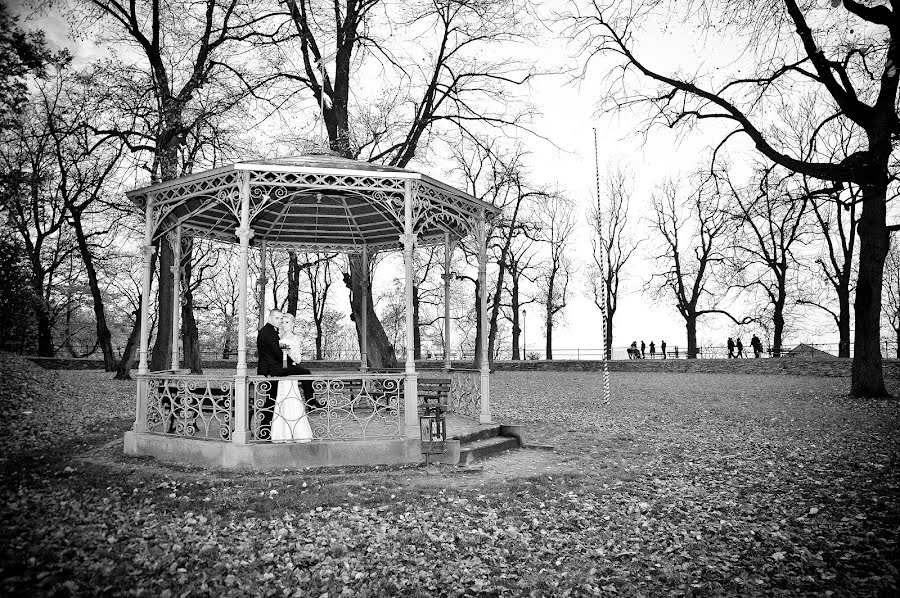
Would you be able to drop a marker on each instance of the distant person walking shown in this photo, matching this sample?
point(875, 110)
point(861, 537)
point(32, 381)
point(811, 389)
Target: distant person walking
point(662, 347)
point(633, 352)
point(652, 350)
point(740, 348)
point(643, 350)
point(757, 346)
point(730, 347)
point(676, 351)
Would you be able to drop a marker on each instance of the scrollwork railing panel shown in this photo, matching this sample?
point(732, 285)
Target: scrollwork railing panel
point(465, 392)
point(194, 407)
point(340, 407)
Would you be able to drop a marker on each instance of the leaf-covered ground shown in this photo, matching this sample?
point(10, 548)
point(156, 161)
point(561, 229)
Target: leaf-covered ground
point(687, 485)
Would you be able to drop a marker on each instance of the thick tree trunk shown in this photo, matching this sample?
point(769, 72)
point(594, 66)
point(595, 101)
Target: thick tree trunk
point(190, 335)
point(607, 348)
point(548, 324)
point(43, 321)
point(867, 377)
point(690, 324)
point(123, 370)
point(379, 351)
point(126, 364)
point(293, 280)
point(319, 336)
point(516, 326)
point(104, 336)
point(227, 349)
point(162, 348)
point(778, 327)
point(843, 321)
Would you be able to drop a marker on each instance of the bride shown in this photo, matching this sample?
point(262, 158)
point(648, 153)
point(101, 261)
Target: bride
point(290, 420)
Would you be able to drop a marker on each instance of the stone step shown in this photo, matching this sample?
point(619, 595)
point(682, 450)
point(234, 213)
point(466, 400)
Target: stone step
point(480, 434)
point(483, 448)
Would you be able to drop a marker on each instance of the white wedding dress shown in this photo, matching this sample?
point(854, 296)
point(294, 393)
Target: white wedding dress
point(289, 418)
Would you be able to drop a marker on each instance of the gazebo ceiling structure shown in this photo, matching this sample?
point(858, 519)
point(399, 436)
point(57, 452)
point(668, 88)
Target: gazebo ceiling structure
point(313, 202)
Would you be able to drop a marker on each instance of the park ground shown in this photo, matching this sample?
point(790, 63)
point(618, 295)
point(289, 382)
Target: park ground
point(685, 485)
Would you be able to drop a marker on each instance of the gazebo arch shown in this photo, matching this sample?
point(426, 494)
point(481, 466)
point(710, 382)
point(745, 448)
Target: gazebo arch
point(304, 203)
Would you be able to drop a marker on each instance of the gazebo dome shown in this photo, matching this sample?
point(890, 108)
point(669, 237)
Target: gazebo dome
point(313, 202)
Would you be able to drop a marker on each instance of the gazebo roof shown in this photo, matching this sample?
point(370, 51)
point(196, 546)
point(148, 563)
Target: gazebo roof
point(312, 202)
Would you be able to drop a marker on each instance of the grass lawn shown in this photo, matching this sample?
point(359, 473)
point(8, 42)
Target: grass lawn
point(687, 485)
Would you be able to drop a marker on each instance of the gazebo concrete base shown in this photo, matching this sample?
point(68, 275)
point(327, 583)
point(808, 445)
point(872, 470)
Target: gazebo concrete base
point(261, 456)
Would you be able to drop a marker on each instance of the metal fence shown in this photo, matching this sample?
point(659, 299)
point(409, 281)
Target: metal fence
point(889, 350)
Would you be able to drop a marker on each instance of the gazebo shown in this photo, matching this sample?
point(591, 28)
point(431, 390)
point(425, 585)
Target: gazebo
point(306, 203)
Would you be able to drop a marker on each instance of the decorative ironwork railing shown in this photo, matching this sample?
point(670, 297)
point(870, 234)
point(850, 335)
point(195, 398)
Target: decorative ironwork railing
point(195, 406)
point(465, 392)
point(336, 407)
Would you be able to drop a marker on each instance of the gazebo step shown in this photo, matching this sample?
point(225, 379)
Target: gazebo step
point(483, 448)
point(477, 434)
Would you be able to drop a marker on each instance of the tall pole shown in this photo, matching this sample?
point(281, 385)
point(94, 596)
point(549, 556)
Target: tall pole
point(143, 385)
point(364, 322)
point(241, 399)
point(175, 240)
point(143, 363)
point(482, 314)
point(602, 261)
point(411, 406)
point(524, 340)
point(447, 250)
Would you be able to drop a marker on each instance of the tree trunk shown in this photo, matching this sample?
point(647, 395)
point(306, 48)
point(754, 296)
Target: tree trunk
point(190, 335)
point(417, 333)
point(690, 324)
point(104, 336)
point(607, 348)
point(293, 280)
point(318, 340)
point(42, 318)
point(548, 323)
point(778, 327)
point(379, 351)
point(844, 323)
point(123, 372)
point(516, 326)
point(867, 377)
point(227, 349)
point(162, 348)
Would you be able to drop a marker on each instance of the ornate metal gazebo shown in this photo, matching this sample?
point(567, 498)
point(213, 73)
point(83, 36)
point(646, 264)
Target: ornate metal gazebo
point(304, 203)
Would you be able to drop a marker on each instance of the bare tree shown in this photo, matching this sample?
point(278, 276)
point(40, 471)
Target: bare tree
point(447, 83)
point(34, 207)
point(320, 280)
point(892, 294)
point(692, 230)
point(855, 72)
point(557, 223)
point(612, 244)
point(521, 264)
point(769, 221)
point(184, 68)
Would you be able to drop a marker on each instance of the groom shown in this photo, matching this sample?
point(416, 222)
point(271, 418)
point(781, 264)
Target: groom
point(269, 360)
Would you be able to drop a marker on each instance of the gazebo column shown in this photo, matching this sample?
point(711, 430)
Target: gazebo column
point(140, 417)
point(364, 323)
point(241, 399)
point(411, 394)
point(447, 250)
point(262, 284)
point(483, 314)
point(175, 240)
